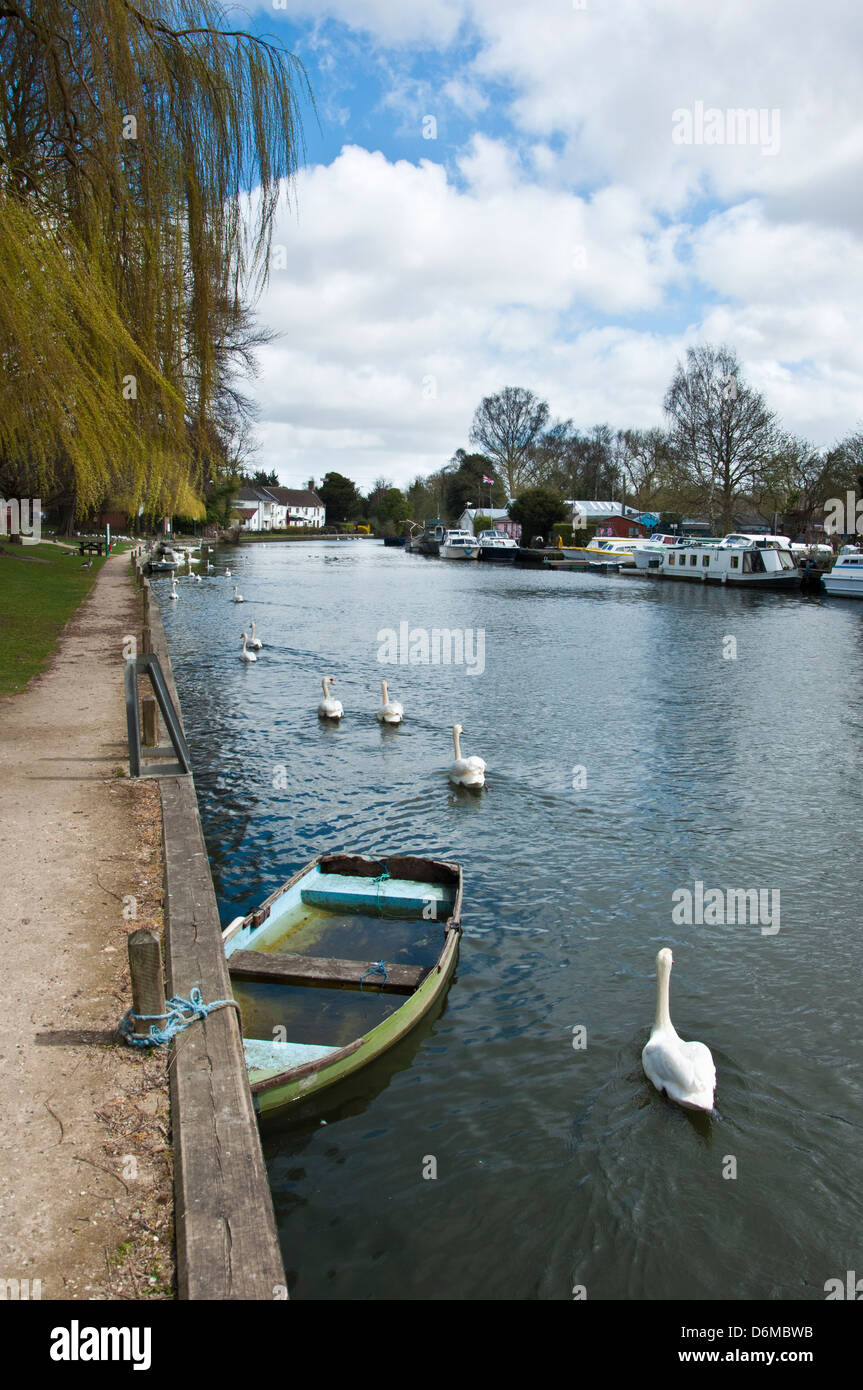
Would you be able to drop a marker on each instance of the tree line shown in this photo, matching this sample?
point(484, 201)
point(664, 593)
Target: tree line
point(721, 451)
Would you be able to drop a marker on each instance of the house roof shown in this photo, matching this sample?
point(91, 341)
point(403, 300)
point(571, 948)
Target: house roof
point(295, 497)
point(250, 493)
point(598, 509)
point(247, 512)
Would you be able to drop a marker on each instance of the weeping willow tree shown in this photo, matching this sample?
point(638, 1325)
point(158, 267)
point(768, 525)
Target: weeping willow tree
point(131, 136)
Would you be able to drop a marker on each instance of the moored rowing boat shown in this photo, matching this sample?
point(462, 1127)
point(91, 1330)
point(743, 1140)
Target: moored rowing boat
point(395, 924)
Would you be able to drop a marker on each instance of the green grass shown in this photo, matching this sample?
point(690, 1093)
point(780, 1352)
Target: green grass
point(41, 586)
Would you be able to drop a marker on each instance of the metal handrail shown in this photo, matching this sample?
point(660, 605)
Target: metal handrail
point(147, 663)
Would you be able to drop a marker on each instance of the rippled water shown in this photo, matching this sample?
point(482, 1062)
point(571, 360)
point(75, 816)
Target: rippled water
point(558, 1167)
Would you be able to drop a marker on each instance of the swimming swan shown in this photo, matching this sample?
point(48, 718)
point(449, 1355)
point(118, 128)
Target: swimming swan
point(329, 708)
point(237, 598)
point(390, 712)
point(465, 772)
point(683, 1070)
point(255, 642)
point(246, 655)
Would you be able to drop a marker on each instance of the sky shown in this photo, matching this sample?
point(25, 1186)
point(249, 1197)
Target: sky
point(561, 196)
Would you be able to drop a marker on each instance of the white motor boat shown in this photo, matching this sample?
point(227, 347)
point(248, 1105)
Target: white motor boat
point(846, 576)
point(613, 548)
point(459, 545)
point(497, 546)
point(648, 553)
point(748, 562)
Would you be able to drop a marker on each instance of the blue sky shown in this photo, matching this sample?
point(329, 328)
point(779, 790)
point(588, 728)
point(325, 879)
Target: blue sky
point(552, 234)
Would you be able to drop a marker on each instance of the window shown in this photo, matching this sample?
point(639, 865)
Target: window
point(735, 562)
point(705, 560)
point(671, 559)
point(693, 559)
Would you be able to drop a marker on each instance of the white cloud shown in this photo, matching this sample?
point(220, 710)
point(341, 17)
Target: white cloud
point(404, 298)
point(573, 247)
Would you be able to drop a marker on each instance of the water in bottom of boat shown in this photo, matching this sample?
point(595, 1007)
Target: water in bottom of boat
point(335, 1016)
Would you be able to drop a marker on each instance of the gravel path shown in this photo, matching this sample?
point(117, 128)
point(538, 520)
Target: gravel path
point(85, 1201)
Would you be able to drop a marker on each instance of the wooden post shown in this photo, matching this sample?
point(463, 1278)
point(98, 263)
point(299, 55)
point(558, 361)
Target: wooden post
point(149, 722)
point(148, 988)
point(146, 639)
point(145, 602)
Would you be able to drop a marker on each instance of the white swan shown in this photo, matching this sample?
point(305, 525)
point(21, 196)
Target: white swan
point(227, 574)
point(237, 598)
point(173, 593)
point(197, 579)
point(465, 772)
point(245, 655)
point(390, 712)
point(329, 708)
point(255, 642)
point(683, 1070)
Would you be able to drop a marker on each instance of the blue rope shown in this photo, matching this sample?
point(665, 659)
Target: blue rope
point(381, 878)
point(377, 969)
point(180, 1013)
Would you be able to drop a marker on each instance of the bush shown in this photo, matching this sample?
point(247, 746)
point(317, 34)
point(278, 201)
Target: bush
point(482, 523)
point(564, 530)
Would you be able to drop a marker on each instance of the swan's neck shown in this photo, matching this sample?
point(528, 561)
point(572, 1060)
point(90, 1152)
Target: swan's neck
point(455, 744)
point(244, 641)
point(253, 629)
point(324, 684)
point(384, 692)
point(663, 1014)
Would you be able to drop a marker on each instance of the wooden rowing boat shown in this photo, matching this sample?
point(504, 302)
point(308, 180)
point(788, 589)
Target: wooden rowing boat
point(338, 965)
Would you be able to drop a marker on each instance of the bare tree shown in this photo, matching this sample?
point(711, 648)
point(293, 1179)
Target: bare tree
point(507, 428)
point(722, 429)
point(647, 465)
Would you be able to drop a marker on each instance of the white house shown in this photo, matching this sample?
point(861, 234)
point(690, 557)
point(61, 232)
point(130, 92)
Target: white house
point(277, 508)
point(302, 506)
point(500, 520)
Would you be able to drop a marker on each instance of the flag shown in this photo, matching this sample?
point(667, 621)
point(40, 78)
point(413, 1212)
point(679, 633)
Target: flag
point(487, 480)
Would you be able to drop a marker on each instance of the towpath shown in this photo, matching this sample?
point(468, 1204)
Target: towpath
point(85, 1197)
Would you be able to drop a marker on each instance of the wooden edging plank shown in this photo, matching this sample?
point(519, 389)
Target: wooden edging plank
point(227, 1242)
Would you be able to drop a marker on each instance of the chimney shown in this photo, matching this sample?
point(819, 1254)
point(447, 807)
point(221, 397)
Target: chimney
point(311, 484)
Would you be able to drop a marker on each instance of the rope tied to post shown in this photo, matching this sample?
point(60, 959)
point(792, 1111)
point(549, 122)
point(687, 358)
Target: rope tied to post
point(377, 969)
point(179, 1014)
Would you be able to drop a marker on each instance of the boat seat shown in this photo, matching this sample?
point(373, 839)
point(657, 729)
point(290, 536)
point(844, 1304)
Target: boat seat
point(319, 970)
point(263, 1056)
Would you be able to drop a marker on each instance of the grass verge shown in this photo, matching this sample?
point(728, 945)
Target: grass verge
point(41, 586)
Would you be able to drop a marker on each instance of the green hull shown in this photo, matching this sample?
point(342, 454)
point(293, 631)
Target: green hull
point(277, 1094)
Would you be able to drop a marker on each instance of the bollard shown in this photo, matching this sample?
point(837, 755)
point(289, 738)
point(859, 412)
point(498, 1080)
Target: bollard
point(148, 989)
point(145, 601)
point(146, 639)
point(149, 723)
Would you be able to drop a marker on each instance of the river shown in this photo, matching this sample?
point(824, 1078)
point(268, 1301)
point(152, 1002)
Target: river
point(632, 753)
